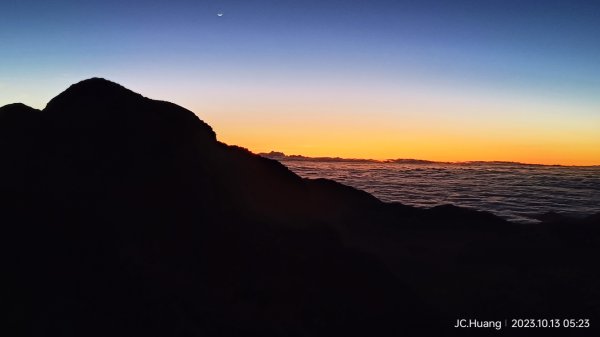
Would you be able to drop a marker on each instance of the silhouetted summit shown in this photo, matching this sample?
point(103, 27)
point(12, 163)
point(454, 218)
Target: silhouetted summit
point(124, 216)
point(93, 90)
point(98, 103)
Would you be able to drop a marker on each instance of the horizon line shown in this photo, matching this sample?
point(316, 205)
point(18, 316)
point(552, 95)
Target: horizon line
point(278, 154)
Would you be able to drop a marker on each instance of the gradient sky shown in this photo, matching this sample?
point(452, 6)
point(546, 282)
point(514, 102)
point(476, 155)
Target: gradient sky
point(439, 80)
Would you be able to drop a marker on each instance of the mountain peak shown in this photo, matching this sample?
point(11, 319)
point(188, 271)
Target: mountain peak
point(93, 89)
point(102, 105)
point(16, 108)
point(96, 81)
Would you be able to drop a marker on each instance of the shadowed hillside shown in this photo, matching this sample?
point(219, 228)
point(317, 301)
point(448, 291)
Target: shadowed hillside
point(124, 216)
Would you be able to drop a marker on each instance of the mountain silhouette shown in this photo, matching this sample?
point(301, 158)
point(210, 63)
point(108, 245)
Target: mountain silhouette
point(125, 216)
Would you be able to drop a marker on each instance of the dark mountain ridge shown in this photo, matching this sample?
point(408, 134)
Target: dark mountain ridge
point(124, 215)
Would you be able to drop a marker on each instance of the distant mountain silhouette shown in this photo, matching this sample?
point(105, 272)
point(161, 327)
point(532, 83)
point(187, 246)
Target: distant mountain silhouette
point(282, 156)
point(124, 216)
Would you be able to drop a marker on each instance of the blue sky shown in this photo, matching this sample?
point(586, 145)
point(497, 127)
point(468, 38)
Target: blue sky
point(275, 56)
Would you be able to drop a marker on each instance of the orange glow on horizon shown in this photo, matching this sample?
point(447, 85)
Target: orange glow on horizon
point(381, 143)
point(439, 123)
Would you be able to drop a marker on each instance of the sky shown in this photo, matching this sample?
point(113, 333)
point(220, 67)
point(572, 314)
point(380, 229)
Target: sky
point(437, 80)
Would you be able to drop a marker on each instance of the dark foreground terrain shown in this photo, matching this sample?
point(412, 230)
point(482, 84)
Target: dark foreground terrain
point(124, 216)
